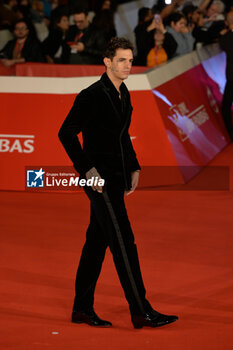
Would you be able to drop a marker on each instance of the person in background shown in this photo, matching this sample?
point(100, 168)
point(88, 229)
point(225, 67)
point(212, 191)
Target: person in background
point(157, 54)
point(104, 18)
point(144, 32)
point(214, 12)
point(85, 42)
point(102, 5)
point(192, 14)
point(194, 18)
point(34, 15)
point(181, 33)
point(105, 22)
point(25, 47)
point(58, 8)
point(144, 39)
point(211, 24)
point(144, 14)
point(53, 44)
point(164, 45)
point(226, 43)
point(166, 10)
point(8, 14)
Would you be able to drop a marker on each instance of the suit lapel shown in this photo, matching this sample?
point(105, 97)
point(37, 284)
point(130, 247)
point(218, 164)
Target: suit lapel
point(127, 111)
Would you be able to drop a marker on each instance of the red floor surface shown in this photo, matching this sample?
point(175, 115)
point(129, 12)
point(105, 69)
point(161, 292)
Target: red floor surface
point(185, 242)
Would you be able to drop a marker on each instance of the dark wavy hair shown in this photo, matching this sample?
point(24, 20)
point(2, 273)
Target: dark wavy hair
point(175, 17)
point(117, 43)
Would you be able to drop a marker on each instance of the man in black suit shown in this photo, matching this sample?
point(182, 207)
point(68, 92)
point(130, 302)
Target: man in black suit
point(85, 42)
point(102, 113)
point(24, 48)
point(226, 43)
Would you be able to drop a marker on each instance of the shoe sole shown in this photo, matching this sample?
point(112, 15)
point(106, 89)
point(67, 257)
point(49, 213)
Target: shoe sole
point(90, 324)
point(151, 325)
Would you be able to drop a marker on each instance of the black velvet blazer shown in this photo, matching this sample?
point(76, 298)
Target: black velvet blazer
point(226, 43)
point(106, 141)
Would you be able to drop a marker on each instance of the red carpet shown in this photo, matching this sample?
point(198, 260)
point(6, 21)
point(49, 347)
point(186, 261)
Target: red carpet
point(185, 242)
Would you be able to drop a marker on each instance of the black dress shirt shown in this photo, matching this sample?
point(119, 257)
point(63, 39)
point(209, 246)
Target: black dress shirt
point(119, 100)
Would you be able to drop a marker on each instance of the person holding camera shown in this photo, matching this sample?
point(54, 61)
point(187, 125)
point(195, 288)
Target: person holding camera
point(164, 44)
point(181, 33)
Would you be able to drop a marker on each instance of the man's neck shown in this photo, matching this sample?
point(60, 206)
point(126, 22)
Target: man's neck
point(116, 82)
point(21, 40)
point(84, 29)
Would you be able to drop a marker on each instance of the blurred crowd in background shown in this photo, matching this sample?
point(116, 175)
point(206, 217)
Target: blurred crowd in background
point(76, 31)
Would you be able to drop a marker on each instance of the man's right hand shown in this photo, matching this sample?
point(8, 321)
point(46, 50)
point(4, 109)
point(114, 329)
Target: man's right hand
point(152, 26)
point(79, 47)
point(94, 173)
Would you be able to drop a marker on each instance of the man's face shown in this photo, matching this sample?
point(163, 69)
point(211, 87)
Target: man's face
point(106, 5)
point(195, 16)
point(159, 39)
point(64, 23)
point(213, 10)
point(21, 31)
point(81, 21)
point(149, 15)
point(179, 26)
point(120, 65)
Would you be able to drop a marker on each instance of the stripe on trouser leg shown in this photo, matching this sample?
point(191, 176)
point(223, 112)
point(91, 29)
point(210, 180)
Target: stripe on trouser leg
point(123, 250)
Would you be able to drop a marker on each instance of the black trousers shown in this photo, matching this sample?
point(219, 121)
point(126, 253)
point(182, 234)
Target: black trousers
point(226, 107)
point(109, 226)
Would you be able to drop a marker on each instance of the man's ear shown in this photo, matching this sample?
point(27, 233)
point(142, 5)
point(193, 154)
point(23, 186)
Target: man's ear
point(107, 62)
point(172, 24)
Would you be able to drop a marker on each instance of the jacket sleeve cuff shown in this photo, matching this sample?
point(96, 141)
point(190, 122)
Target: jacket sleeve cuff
point(83, 165)
point(134, 165)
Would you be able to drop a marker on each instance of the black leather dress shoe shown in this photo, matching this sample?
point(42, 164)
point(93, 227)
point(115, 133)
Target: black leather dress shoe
point(152, 319)
point(90, 318)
